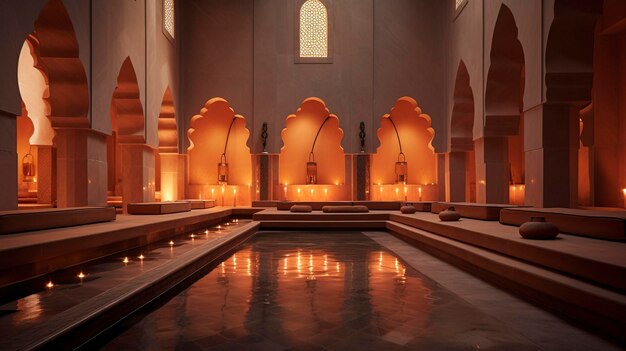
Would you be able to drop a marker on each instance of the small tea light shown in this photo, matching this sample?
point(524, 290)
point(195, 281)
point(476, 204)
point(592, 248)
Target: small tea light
point(171, 243)
point(141, 257)
point(219, 227)
point(81, 275)
point(50, 285)
point(125, 260)
point(192, 236)
point(206, 231)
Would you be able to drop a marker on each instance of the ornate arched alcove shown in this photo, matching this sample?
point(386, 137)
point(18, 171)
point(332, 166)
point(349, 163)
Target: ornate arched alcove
point(217, 135)
point(405, 130)
point(312, 134)
point(169, 169)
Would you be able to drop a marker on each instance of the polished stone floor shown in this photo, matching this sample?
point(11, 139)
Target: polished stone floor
point(310, 291)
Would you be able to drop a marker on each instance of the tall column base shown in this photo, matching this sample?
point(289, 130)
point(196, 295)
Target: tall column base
point(8, 161)
point(138, 167)
point(172, 177)
point(81, 168)
point(492, 170)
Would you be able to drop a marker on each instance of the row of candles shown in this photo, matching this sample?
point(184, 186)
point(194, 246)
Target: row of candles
point(126, 260)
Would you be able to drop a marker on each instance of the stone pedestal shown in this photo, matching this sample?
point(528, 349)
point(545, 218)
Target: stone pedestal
point(81, 168)
point(8, 161)
point(551, 149)
point(137, 173)
point(362, 177)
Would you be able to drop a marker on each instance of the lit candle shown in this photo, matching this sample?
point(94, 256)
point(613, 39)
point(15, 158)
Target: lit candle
point(298, 194)
point(397, 192)
point(285, 190)
point(312, 193)
point(223, 195)
point(405, 194)
point(141, 257)
point(624, 192)
point(212, 193)
point(325, 194)
point(50, 285)
point(419, 193)
point(81, 276)
point(234, 197)
point(125, 260)
point(381, 191)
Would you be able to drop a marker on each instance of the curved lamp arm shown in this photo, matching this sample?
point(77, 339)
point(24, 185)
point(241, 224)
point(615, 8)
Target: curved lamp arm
point(397, 135)
point(316, 135)
point(228, 137)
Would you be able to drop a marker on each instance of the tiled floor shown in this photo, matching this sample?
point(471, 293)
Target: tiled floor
point(337, 291)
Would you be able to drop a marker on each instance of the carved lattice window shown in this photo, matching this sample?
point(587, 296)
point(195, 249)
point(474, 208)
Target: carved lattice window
point(313, 29)
point(168, 19)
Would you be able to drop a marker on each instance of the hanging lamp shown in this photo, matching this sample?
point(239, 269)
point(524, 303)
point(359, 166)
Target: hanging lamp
point(222, 166)
point(311, 165)
point(401, 164)
point(28, 167)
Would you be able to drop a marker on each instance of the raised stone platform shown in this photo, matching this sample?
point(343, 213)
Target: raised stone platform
point(158, 208)
point(16, 221)
point(485, 212)
point(610, 225)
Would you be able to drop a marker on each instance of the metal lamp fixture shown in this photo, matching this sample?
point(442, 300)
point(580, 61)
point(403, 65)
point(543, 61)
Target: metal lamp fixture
point(311, 165)
point(222, 166)
point(401, 164)
point(28, 167)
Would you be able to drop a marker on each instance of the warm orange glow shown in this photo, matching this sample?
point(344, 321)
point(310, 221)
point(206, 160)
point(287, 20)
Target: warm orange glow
point(298, 137)
point(81, 276)
point(125, 260)
point(517, 194)
point(141, 257)
point(50, 285)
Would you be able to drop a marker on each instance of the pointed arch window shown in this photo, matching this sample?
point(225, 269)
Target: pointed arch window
point(313, 31)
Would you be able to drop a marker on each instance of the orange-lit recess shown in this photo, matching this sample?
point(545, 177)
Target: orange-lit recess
point(169, 164)
point(297, 137)
point(517, 194)
point(207, 137)
point(416, 135)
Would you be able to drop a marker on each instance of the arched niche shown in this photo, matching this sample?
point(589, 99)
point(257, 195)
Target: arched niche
point(169, 168)
point(461, 159)
point(207, 137)
point(298, 137)
point(416, 136)
point(58, 53)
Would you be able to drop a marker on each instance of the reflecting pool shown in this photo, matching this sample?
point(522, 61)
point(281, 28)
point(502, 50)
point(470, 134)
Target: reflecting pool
point(293, 290)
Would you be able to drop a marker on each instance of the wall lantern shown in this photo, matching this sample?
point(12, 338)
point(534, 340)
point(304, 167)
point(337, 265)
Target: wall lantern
point(311, 165)
point(28, 168)
point(401, 165)
point(222, 166)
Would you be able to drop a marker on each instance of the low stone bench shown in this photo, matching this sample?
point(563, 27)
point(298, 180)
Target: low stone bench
point(485, 212)
point(158, 208)
point(345, 209)
point(315, 205)
point(609, 225)
point(379, 205)
point(200, 204)
point(16, 221)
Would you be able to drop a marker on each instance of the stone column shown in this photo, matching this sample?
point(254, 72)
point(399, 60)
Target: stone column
point(46, 174)
point(362, 177)
point(456, 166)
point(137, 173)
point(81, 168)
point(442, 177)
point(492, 170)
point(551, 148)
point(8, 161)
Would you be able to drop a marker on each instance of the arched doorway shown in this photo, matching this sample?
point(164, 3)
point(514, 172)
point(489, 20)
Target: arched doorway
point(499, 155)
point(461, 158)
point(169, 164)
point(569, 75)
point(130, 161)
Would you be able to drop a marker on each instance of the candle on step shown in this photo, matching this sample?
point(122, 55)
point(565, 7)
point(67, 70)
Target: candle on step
point(381, 191)
point(312, 194)
point(419, 193)
point(405, 194)
point(397, 192)
point(624, 192)
point(285, 191)
point(325, 194)
point(223, 195)
point(298, 194)
point(212, 193)
point(234, 197)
